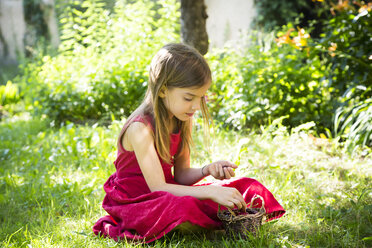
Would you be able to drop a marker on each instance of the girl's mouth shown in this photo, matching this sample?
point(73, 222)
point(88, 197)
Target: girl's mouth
point(190, 114)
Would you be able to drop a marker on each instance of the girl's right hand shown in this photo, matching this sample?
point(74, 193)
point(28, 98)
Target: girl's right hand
point(228, 197)
point(220, 169)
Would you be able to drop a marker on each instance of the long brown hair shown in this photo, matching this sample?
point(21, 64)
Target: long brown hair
point(174, 66)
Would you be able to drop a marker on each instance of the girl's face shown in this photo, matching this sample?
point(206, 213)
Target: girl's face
point(183, 102)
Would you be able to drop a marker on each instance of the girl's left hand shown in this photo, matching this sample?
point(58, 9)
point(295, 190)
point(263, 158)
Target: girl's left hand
point(220, 169)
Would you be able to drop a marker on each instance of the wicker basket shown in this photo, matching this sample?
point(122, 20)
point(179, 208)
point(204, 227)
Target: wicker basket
point(238, 223)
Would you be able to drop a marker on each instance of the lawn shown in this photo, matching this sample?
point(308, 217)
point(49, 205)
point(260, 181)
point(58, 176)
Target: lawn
point(51, 185)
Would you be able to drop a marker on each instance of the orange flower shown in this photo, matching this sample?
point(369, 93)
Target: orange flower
point(367, 7)
point(332, 48)
point(297, 42)
point(301, 39)
point(341, 6)
point(285, 39)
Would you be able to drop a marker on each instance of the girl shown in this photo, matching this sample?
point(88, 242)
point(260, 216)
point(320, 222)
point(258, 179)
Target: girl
point(144, 199)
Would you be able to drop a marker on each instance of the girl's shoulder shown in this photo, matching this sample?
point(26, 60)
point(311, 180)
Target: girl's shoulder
point(137, 131)
point(137, 127)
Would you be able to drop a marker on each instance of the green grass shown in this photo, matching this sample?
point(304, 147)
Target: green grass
point(51, 186)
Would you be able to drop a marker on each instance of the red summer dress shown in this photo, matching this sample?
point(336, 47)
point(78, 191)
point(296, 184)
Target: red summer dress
point(136, 213)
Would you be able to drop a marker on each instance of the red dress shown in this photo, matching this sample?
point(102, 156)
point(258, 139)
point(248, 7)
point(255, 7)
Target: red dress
point(136, 213)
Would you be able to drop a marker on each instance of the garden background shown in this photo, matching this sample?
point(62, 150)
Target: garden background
point(291, 105)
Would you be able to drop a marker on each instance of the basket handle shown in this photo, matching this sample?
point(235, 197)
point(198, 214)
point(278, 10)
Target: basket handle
point(257, 197)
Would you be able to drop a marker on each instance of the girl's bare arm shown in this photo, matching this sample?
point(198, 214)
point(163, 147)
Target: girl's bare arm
point(141, 139)
point(183, 174)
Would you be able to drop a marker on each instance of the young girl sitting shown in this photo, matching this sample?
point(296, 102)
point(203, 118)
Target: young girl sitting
point(144, 199)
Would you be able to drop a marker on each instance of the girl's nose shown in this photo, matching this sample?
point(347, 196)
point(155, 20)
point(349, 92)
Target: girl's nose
point(196, 106)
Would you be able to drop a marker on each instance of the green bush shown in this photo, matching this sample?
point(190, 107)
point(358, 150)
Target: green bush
point(274, 14)
point(354, 124)
point(326, 80)
point(101, 69)
point(256, 85)
point(346, 48)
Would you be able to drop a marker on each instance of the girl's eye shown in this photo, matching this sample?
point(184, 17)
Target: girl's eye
point(187, 99)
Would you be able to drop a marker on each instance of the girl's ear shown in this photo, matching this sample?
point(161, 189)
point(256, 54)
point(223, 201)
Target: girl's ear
point(162, 92)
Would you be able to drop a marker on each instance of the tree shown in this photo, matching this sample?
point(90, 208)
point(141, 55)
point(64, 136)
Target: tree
point(20, 22)
point(12, 30)
point(50, 18)
point(193, 24)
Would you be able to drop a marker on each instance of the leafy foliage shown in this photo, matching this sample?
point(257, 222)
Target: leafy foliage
point(256, 85)
point(302, 77)
point(101, 69)
point(354, 124)
point(34, 17)
point(346, 44)
point(100, 72)
point(273, 14)
point(9, 93)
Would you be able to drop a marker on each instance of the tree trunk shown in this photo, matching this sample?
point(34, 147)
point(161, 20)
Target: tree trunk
point(16, 33)
point(50, 19)
point(193, 24)
point(12, 30)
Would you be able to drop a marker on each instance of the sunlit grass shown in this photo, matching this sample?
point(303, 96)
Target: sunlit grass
point(51, 186)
